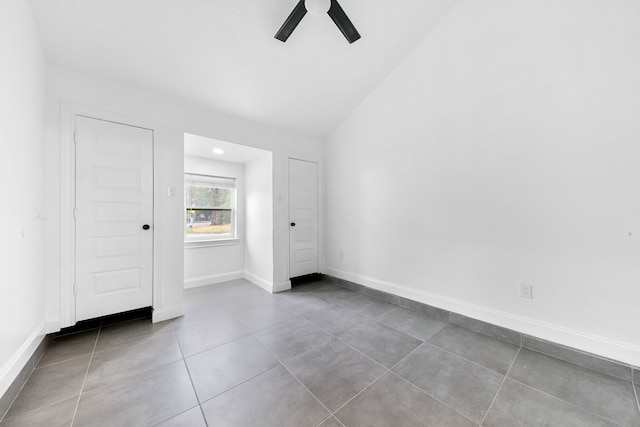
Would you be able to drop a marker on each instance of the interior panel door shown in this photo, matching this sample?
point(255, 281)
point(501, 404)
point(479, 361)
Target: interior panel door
point(303, 217)
point(114, 217)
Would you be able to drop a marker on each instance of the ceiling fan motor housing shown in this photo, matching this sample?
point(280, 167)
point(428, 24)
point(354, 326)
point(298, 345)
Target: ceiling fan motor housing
point(317, 7)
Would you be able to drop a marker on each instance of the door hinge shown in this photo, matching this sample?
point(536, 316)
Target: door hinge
point(75, 289)
point(75, 140)
point(75, 213)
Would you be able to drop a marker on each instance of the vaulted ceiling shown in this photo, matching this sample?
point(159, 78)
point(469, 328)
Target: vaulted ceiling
point(223, 54)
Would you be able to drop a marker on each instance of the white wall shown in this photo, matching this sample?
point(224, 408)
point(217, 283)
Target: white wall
point(21, 170)
point(171, 119)
point(504, 150)
point(258, 262)
point(206, 264)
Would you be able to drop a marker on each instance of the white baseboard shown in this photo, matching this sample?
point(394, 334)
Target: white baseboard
point(265, 284)
point(602, 346)
point(282, 286)
point(19, 360)
point(165, 313)
point(216, 278)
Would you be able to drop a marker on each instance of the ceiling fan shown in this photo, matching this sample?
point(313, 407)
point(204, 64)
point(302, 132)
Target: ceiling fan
point(318, 7)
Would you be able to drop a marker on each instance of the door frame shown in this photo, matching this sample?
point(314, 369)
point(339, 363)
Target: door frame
point(67, 247)
point(320, 213)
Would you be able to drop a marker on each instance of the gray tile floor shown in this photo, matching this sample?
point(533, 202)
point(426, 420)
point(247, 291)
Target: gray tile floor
point(316, 356)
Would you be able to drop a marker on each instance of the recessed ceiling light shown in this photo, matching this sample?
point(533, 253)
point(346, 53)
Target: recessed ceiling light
point(218, 151)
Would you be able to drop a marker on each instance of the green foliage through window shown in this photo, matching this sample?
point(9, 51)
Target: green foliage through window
point(209, 204)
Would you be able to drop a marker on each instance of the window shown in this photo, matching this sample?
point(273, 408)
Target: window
point(210, 208)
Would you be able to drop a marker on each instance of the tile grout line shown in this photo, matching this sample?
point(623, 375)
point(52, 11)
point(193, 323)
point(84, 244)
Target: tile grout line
point(424, 391)
point(521, 334)
point(387, 370)
point(86, 374)
point(635, 391)
point(573, 405)
point(433, 397)
point(3, 418)
point(294, 376)
point(360, 392)
point(470, 361)
point(33, 368)
point(186, 367)
point(504, 379)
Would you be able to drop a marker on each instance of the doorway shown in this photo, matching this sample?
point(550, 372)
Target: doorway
point(113, 217)
point(303, 218)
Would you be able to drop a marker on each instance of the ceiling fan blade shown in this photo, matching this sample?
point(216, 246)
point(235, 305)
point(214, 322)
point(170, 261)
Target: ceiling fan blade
point(342, 21)
point(292, 22)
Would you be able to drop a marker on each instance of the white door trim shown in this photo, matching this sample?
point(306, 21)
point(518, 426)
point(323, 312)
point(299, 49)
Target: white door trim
point(317, 213)
point(67, 248)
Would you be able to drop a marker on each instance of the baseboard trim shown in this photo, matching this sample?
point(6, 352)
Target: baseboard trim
point(282, 286)
point(17, 371)
point(166, 313)
point(209, 280)
point(267, 285)
point(512, 325)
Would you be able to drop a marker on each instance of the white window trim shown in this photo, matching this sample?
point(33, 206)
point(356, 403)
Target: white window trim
point(210, 243)
point(195, 241)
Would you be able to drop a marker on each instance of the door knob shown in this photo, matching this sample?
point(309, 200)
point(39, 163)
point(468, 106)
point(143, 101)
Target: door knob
point(293, 224)
point(145, 227)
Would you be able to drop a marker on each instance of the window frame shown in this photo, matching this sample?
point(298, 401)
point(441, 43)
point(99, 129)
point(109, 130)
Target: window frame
point(215, 182)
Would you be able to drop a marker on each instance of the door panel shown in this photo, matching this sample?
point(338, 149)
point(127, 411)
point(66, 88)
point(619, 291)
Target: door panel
point(303, 212)
point(114, 199)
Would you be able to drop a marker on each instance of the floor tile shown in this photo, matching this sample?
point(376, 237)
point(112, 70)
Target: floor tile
point(191, 418)
point(331, 422)
point(485, 328)
point(56, 415)
point(217, 370)
point(290, 339)
point(51, 384)
point(302, 303)
point(412, 323)
point(466, 387)
point(258, 318)
point(204, 312)
point(517, 404)
point(334, 373)
point(367, 306)
point(206, 335)
point(123, 334)
point(69, 347)
point(599, 364)
point(113, 364)
point(425, 309)
point(608, 397)
point(273, 399)
point(143, 399)
point(336, 320)
point(136, 375)
point(334, 293)
point(383, 344)
point(481, 349)
point(391, 401)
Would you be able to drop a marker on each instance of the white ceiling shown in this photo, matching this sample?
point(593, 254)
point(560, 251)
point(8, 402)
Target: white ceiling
point(199, 146)
point(222, 54)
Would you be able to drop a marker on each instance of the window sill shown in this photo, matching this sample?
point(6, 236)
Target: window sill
point(210, 243)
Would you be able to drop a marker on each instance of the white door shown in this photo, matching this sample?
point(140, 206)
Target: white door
point(303, 218)
point(114, 213)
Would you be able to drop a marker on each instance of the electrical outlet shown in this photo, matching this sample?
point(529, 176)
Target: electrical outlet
point(526, 291)
point(341, 256)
